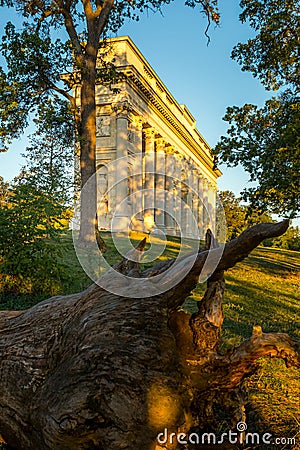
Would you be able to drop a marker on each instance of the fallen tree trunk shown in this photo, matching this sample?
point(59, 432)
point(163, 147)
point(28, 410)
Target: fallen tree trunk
point(98, 371)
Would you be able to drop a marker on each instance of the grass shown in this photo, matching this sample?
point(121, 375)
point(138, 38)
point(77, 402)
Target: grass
point(262, 290)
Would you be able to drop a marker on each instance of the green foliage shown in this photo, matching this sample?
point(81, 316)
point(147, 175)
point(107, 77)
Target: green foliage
point(289, 240)
point(273, 54)
point(31, 249)
point(34, 67)
point(266, 142)
point(34, 209)
point(239, 217)
point(50, 156)
point(3, 192)
point(36, 58)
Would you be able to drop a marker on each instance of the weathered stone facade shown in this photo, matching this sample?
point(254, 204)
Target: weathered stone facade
point(164, 176)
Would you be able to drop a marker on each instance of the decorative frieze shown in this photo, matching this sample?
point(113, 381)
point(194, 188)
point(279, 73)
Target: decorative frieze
point(103, 126)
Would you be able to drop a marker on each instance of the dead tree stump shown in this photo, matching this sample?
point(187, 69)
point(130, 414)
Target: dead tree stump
point(98, 371)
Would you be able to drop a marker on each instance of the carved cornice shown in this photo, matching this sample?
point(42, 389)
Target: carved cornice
point(140, 77)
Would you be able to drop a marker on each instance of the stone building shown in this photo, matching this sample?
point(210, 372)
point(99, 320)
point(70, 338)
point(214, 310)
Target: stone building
point(154, 168)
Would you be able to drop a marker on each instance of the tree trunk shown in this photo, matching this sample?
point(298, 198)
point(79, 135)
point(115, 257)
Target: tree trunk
point(87, 139)
point(89, 231)
point(97, 371)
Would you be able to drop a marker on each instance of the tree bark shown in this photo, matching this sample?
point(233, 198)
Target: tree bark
point(87, 139)
point(96, 19)
point(97, 371)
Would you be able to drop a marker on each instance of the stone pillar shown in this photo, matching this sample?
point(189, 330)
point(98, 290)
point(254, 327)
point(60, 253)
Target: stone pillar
point(196, 231)
point(121, 219)
point(102, 197)
point(137, 172)
point(200, 205)
point(211, 206)
point(170, 188)
point(214, 206)
point(184, 198)
point(137, 123)
point(189, 199)
point(160, 184)
point(177, 193)
point(205, 205)
point(149, 185)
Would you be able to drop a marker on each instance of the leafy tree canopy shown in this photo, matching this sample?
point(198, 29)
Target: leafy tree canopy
point(36, 57)
point(273, 54)
point(50, 155)
point(265, 141)
point(238, 216)
point(31, 247)
point(34, 211)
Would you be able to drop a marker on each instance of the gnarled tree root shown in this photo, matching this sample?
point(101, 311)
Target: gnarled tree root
point(97, 371)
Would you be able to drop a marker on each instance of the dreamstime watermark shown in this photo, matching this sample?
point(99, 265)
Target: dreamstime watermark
point(239, 436)
point(127, 203)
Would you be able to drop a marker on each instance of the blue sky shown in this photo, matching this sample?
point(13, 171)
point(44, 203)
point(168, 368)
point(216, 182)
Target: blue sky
point(200, 76)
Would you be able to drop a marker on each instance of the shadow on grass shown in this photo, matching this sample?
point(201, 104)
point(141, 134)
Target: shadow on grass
point(269, 260)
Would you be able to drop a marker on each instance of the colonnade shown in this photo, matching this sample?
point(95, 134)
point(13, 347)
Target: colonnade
point(155, 185)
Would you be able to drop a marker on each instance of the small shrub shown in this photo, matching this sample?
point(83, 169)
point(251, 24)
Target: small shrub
point(31, 247)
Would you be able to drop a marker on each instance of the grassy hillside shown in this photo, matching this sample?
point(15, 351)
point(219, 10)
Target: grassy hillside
point(262, 290)
point(265, 290)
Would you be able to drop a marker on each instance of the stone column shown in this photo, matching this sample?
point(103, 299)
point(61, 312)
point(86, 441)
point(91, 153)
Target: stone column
point(205, 205)
point(214, 206)
point(121, 219)
point(189, 198)
point(177, 192)
point(137, 171)
point(184, 198)
point(160, 184)
point(170, 188)
point(149, 171)
point(196, 231)
point(211, 206)
point(200, 205)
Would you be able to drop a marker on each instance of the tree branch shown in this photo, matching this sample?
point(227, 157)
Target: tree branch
point(88, 9)
point(44, 16)
point(233, 252)
point(62, 92)
point(70, 27)
point(242, 361)
point(240, 247)
point(103, 15)
point(90, 23)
